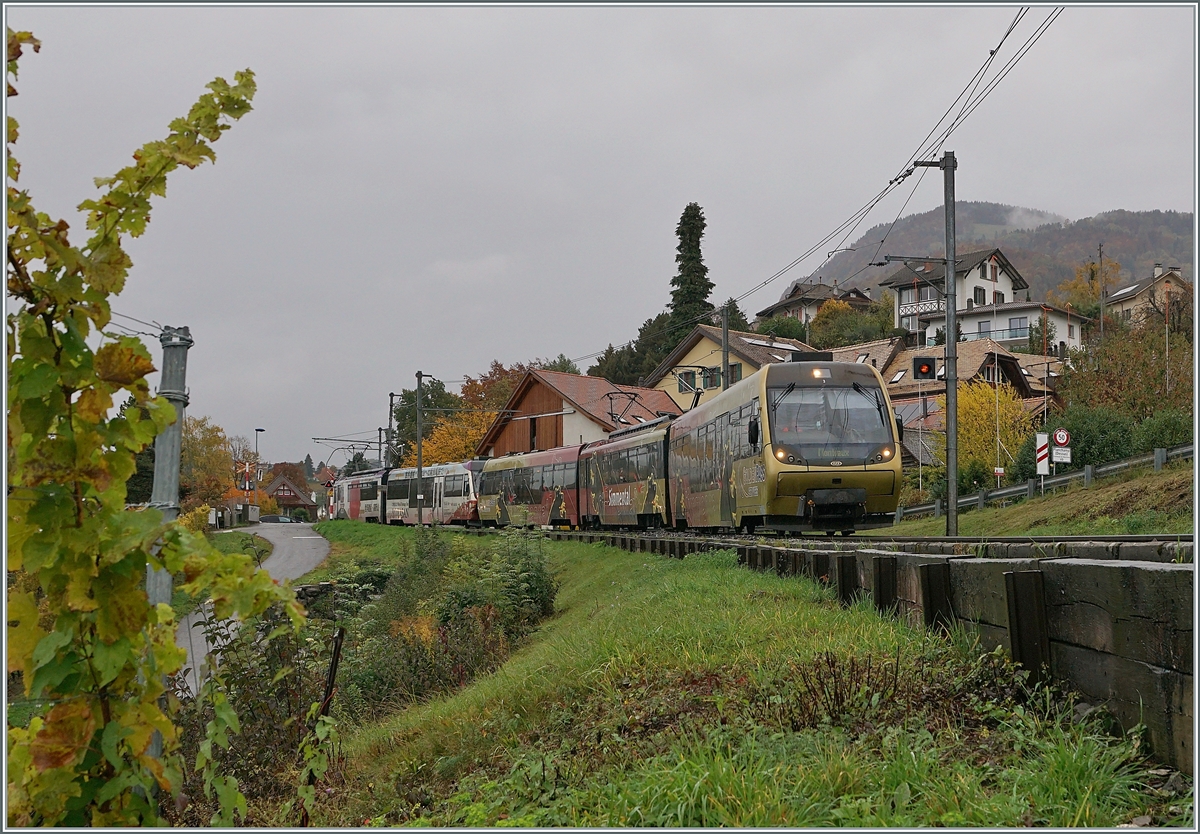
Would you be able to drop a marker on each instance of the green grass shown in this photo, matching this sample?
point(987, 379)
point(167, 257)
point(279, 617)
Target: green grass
point(697, 693)
point(1135, 502)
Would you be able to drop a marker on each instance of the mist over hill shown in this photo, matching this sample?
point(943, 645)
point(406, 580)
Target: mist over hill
point(1044, 247)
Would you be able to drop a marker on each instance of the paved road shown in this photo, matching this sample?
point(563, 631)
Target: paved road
point(297, 550)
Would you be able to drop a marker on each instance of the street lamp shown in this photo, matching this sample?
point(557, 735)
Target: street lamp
point(257, 432)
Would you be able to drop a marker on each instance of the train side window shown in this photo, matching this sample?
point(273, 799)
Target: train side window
point(569, 478)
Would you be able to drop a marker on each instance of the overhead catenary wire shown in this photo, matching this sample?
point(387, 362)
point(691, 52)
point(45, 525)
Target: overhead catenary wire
point(927, 147)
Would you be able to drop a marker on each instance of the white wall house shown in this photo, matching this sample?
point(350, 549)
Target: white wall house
point(1009, 324)
point(982, 279)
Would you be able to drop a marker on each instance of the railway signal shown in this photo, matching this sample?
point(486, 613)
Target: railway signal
point(924, 367)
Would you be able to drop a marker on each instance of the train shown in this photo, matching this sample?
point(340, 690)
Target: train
point(796, 447)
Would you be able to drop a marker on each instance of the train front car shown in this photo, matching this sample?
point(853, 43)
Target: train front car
point(623, 478)
point(831, 450)
point(531, 489)
point(795, 447)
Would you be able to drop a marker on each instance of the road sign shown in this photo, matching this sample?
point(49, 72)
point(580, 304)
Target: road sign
point(999, 470)
point(1043, 454)
point(1062, 454)
point(1062, 437)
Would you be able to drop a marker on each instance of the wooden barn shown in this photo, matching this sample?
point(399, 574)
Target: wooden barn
point(548, 409)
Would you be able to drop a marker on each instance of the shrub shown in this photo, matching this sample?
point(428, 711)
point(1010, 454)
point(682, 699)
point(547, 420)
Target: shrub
point(1098, 435)
point(1167, 428)
point(197, 519)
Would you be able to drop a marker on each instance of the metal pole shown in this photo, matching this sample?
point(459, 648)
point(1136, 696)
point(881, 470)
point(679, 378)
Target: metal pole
point(1100, 280)
point(948, 164)
point(724, 347)
point(379, 429)
point(167, 447)
point(420, 483)
point(391, 440)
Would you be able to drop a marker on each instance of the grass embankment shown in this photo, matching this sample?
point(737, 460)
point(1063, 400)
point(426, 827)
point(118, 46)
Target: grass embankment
point(1136, 502)
point(696, 693)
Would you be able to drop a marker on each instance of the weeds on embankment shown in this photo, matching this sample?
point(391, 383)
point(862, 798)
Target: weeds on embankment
point(695, 693)
point(1136, 502)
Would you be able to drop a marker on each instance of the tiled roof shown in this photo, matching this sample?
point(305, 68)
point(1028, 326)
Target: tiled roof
point(972, 357)
point(935, 273)
point(1137, 288)
point(809, 292)
point(878, 353)
point(597, 397)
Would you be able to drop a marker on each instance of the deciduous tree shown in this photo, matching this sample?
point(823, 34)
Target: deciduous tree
point(986, 413)
point(784, 327)
point(205, 463)
point(838, 324)
point(433, 396)
point(1132, 375)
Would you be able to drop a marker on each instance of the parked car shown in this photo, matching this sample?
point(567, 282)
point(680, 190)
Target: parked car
point(276, 519)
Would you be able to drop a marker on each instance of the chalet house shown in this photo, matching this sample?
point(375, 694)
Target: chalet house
point(548, 409)
point(694, 367)
point(1134, 302)
point(804, 300)
point(980, 279)
point(1009, 324)
point(292, 497)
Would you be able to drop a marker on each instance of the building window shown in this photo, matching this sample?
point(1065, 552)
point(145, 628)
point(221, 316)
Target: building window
point(735, 372)
point(862, 358)
point(980, 296)
point(909, 323)
point(687, 382)
point(995, 271)
point(1070, 331)
point(1128, 314)
point(899, 375)
point(908, 295)
point(997, 297)
point(1018, 324)
point(985, 327)
point(927, 293)
point(712, 377)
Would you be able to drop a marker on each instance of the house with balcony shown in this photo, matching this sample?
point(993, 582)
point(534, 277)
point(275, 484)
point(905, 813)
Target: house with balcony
point(1010, 324)
point(983, 278)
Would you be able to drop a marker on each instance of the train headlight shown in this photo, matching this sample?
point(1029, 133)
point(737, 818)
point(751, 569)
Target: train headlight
point(780, 453)
point(887, 451)
point(821, 373)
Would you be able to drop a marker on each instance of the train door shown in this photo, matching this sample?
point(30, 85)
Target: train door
point(439, 491)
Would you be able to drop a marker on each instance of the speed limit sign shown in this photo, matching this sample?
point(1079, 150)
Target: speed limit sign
point(1062, 437)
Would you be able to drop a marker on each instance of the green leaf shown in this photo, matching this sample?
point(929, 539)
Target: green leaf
point(108, 660)
point(48, 646)
point(38, 382)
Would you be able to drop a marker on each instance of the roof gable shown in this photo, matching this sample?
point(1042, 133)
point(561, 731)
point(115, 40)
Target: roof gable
point(751, 348)
point(935, 273)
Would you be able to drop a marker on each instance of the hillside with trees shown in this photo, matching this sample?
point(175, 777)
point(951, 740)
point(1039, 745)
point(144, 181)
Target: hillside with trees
point(1046, 248)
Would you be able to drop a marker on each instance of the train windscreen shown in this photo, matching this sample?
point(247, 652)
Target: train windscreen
point(830, 421)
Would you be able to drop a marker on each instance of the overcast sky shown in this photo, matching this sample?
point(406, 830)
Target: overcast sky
point(434, 188)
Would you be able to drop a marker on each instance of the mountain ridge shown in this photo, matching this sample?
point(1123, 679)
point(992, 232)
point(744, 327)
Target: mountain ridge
point(1044, 247)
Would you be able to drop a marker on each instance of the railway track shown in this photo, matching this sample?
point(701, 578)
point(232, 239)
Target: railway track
point(1150, 547)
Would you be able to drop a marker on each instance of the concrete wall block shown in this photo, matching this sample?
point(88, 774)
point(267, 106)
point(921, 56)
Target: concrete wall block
point(977, 588)
point(1141, 551)
point(1133, 691)
point(908, 581)
point(1032, 550)
point(1091, 550)
point(1138, 610)
point(1178, 551)
point(990, 636)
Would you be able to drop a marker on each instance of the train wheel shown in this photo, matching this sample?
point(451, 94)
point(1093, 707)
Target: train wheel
point(847, 532)
point(831, 532)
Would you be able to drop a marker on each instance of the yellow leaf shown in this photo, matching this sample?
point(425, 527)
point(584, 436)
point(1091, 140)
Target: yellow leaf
point(93, 405)
point(23, 632)
point(121, 364)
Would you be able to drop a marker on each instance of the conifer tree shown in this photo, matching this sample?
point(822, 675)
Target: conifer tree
point(689, 298)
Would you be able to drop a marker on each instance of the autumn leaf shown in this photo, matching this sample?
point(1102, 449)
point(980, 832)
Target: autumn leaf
point(65, 735)
point(121, 364)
